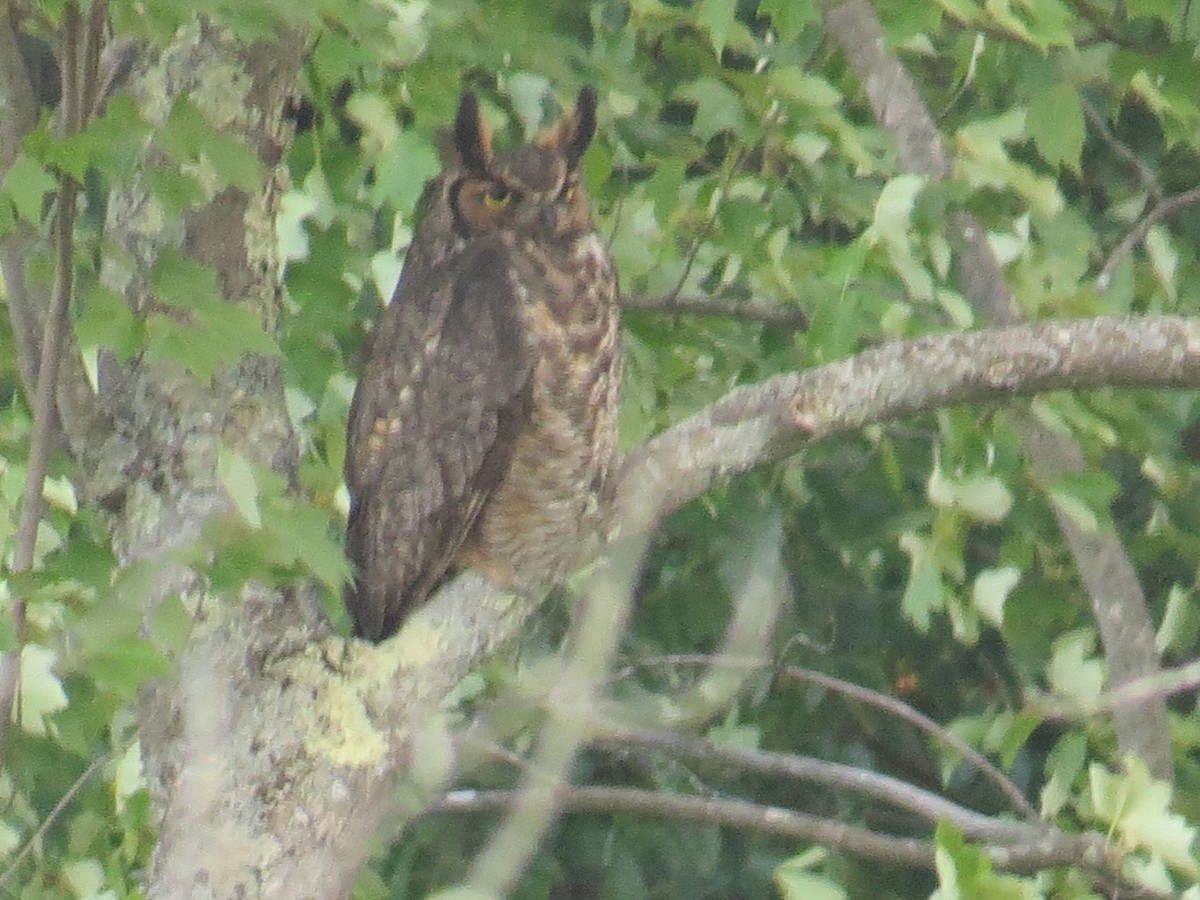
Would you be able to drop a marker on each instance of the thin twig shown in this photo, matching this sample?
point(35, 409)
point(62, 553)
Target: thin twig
point(1044, 848)
point(754, 309)
point(872, 698)
point(1166, 683)
point(1101, 21)
point(93, 44)
point(20, 116)
point(1122, 151)
point(901, 794)
point(35, 839)
point(47, 377)
point(606, 606)
point(1167, 207)
point(943, 736)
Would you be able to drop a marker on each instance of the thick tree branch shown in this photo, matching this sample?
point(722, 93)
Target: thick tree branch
point(771, 420)
point(343, 719)
point(1120, 611)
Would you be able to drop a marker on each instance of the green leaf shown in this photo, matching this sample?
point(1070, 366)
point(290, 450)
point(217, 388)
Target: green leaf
point(41, 689)
point(175, 189)
point(1044, 23)
point(84, 876)
point(123, 663)
point(374, 114)
point(1164, 259)
point(237, 476)
point(1180, 622)
point(181, 281)
point(731, 734)
point(338, 57)
point(221, 334)
point(170, 623)
point(924, 593)
point(1073, 671)
point(894, 207)
point(789, 17)
point(403, 169)
point(983, 497)
point(234, 162)
point(1064, 764)
point(1138, 808)
point(718, 108)
point(991, 589)
point(110, 145)
point(106, 321)
point(212, 332)
point(1055, 122)
point(464, 893)
point(301, 534)
point(985, 162)
point(26, 184)
point(128, 777)
point(185, 132)
point(1084, 497)
point(716, 17)
point(965, 872)
point(741, 222)
point(797, 885)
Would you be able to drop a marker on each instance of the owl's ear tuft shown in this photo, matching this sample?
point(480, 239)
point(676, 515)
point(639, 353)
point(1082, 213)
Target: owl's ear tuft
point(472, 139)
point(584, 125)
point(571, 134)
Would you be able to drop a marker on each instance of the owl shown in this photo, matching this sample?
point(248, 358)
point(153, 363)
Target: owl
point(482, 432)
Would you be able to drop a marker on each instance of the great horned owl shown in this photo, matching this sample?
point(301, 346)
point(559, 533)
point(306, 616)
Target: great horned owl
point(483, 428)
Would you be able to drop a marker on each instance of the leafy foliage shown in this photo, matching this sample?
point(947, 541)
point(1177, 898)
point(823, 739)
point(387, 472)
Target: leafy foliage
point(737, 159)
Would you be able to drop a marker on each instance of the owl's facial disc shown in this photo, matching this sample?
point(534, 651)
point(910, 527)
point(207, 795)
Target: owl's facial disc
point(481, 205)
point(532, 189)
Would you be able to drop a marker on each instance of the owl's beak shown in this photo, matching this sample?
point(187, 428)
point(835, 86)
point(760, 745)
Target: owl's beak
point(543, 217)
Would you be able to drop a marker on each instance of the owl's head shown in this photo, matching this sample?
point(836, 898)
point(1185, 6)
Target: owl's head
point(532, 189)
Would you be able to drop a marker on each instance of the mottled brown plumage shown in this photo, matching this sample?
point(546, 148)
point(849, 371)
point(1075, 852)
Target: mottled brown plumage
point(483, 428)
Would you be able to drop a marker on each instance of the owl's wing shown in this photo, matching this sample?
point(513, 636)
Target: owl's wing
point(441, 400)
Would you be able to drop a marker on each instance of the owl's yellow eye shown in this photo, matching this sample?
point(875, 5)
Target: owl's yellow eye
point(497, 197)
point(569, 192)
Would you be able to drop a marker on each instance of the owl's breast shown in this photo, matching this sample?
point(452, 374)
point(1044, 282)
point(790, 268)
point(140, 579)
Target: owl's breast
point(548, 512)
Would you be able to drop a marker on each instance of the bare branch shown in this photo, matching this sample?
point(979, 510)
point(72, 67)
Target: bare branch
point(769, 312)
point(1043, 849)
point(1167, 683)
point(18, 116)
point(1121, 150)
point(924, 723)
point(870, 697)
point(594, 638)
point(44, 411)
point(1166, 207)
point(893, 791)
point(64, 801)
